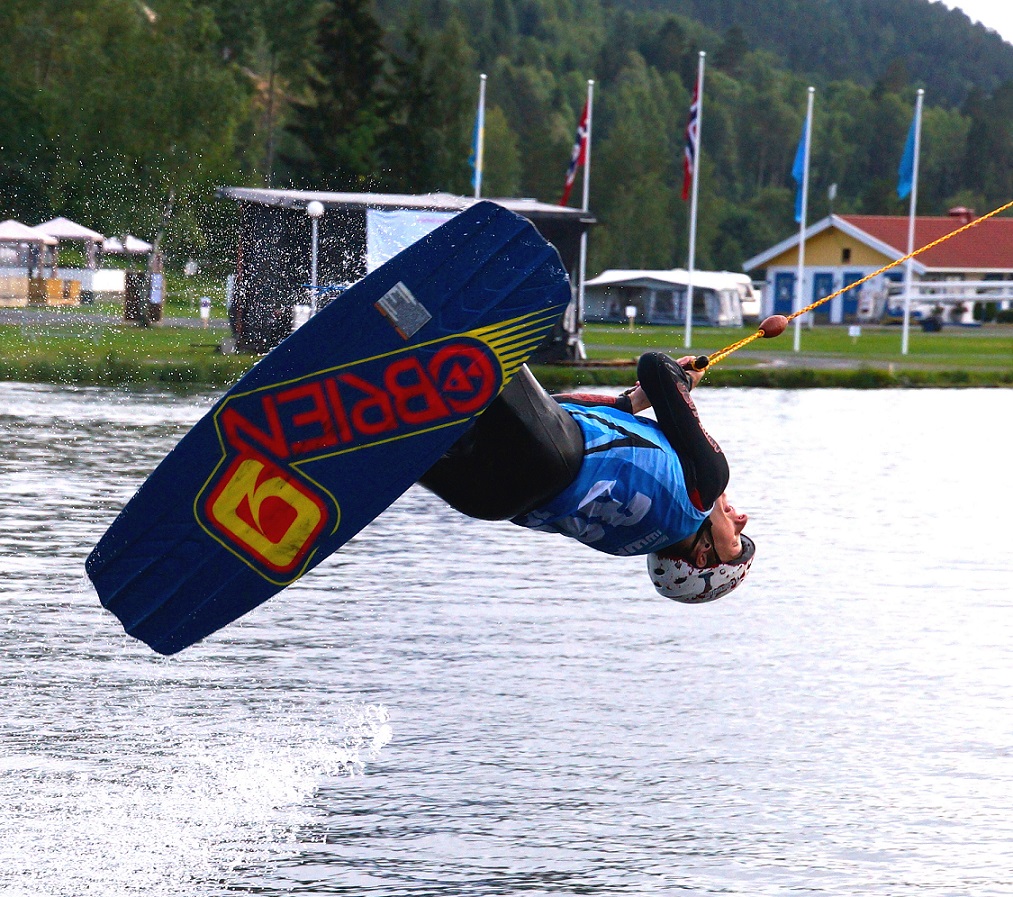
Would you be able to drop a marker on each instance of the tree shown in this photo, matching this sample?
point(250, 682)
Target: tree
point(501, 174)
point(665, 48)
point(428, 109)
point(944, 143)
point(988, 163)
point(25, 155)
point(126, 104)
point(541, 115)
point(286, 27)
point(732, 51)
point(632, 186)
point(337, 126)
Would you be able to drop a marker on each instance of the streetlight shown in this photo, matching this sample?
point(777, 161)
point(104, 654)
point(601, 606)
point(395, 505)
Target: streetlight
point(315, 211)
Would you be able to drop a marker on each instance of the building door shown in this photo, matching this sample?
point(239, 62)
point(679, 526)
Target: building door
point(823, 285)
point(849, 301)
point(784, 293)
point(894, 282)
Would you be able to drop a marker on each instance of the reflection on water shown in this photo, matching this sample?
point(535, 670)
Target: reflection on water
point(521, 715)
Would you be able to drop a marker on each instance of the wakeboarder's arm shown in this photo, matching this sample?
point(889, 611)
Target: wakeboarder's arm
point(633, 400)
point(621, 402)
point(703, 463)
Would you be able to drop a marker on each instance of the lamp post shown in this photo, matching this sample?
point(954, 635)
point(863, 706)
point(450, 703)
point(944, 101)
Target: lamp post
point(315, 211)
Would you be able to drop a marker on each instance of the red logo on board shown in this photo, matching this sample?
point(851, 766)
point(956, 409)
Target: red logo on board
point(267, 512)
point(263, 506)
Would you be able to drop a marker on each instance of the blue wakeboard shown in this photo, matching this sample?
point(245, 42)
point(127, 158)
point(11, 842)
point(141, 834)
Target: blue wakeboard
point(328, 429)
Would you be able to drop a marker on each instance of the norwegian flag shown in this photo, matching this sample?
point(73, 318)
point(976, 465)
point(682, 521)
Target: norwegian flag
point(578, 156)
point(692, 143)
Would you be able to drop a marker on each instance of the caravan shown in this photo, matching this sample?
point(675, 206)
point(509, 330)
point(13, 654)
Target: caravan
point(720, 298)
point(750, 297)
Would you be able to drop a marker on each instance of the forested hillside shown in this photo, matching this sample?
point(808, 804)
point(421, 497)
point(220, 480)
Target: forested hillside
point(860, 40)
point(110, 109)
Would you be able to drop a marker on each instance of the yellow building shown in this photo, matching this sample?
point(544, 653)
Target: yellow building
point(976, 266)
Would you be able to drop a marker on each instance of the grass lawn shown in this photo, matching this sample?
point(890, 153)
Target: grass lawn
point(828, 356)
point(989, 347)
point(66, 347)
point(94, 352)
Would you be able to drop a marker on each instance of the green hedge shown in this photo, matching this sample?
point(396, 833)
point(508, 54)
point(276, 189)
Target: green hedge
point(568, 377)
point(115, 370)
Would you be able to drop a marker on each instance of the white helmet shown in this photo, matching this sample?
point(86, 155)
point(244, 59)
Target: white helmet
point(679, 580)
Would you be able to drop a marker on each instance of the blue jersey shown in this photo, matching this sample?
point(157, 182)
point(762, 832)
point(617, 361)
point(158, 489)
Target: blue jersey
point(630, 495)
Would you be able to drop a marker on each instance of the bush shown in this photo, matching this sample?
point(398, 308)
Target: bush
point(984, 311)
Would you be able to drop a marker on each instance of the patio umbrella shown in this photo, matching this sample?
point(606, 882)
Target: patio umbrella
point(133, 245)
point(12, 231)
point(65, 229)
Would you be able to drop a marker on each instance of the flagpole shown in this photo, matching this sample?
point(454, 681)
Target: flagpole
point(801, 232)
point(691, 263)
point(911, 223)
point(480, 137)
point(579, 346)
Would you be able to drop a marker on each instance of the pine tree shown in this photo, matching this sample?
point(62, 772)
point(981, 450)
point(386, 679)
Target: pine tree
point(988, 164)
point(429, 110)
point(337, 127)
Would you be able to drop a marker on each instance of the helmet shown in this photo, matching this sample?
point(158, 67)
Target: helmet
point(679, 580)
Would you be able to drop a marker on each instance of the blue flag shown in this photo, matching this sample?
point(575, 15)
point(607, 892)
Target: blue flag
point(475, 159)
point(906, 172)
point(798, 169)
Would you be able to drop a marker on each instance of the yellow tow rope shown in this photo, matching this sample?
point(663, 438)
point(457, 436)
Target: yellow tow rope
point(776, 324)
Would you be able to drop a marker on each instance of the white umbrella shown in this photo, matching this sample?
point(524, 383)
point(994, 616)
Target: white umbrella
point(65, 229)
point(134, 245)
point(12, 231)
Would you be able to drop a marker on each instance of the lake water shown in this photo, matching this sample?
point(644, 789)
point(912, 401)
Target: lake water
point(450, 707)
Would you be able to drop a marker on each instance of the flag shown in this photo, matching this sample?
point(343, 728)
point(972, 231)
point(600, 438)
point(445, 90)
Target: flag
point(692, 143)
point(475, 159)
point(798, 169)
point(906, 171)
point(578, 155)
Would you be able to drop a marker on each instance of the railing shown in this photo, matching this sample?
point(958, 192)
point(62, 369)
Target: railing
point(957, 291)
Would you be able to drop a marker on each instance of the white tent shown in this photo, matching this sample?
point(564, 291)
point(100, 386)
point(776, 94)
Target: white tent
point(659, 296)
point(65, 229)
point(129, 245)
point(12, 231)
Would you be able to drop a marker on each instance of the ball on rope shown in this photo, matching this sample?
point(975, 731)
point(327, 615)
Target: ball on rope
point(773, 326)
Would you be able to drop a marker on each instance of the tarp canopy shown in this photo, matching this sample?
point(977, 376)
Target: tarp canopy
point(356, 233)
point(12, 231)
point(65, 229)
point(129, 245)
point(714, 280)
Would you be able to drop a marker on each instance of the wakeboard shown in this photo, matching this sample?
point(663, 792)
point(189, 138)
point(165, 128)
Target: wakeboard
point(329, 428)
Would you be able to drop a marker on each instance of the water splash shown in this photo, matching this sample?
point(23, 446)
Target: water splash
point(195, 814)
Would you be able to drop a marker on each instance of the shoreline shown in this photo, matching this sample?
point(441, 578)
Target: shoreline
point(79, 348)
point(799, 376)
point(222, 371)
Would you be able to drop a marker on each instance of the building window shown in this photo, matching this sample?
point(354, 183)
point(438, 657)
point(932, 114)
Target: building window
point(845, 256)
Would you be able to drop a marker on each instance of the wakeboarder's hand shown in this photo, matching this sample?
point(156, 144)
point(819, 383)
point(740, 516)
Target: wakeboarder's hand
point(638, 398)
point(686, 363)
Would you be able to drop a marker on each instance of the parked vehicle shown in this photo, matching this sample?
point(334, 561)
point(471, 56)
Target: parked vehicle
point(720, 298)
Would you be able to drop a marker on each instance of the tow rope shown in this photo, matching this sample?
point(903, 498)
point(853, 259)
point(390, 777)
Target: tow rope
point(775, 324)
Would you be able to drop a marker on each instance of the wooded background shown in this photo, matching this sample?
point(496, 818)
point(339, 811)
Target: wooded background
point(110, 107)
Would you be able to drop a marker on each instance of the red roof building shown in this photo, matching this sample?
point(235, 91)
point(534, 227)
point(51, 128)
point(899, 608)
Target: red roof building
point(972, 266)
point(982, 249)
